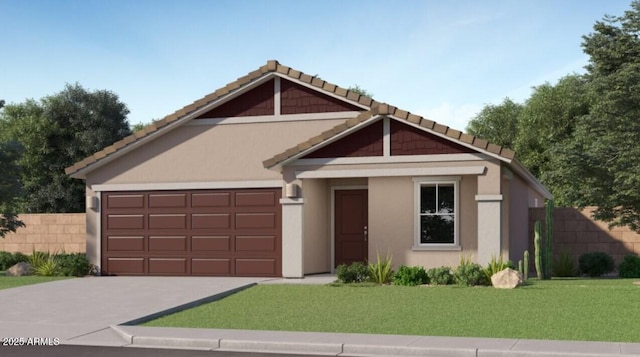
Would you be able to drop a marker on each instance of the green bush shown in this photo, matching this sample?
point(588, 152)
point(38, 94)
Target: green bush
point(354, 273)
point(411, 276)
point(48, 266)
point(496, 265)
point(630, 267)
point(440, 276)
point(19, 257)
point(595, 264)
point(6, 260)
point(74, 264)
point(564, 266)
point(470, 274)
point(381, 272)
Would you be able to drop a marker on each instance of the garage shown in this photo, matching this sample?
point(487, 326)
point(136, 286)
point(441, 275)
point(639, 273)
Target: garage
point(195, 232)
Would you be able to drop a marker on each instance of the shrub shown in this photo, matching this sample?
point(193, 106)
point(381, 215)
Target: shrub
point(470, 274)
point(19, 257)
point(496, 265)
point(440, 276)
point(630, 267)
point(48, 266)
point(381, 272)
point(354, 273)
point(596, 264)
point(411, 276)
point(74, 264)
point(564, 266)
point(6, 260)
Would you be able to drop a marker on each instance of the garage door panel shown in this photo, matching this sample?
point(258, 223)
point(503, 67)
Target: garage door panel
point(255, 220)
point(167, 243)
point(210, 243)
point(128, 266)
point(253, 199)
point(125, 243)
point(125, 201)
point(256, 267)
point(174, 200)
point(256, 243)
point(167, 266)
point(211, 266)
point(167, 221)
point(210, 221)
point(197, 232)
point(222, 199)
point(128, 221)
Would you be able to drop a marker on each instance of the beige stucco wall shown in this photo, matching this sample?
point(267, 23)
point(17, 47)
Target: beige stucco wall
point(391, 223)
point(518, 218)
point(200, 153)
point(317, 255)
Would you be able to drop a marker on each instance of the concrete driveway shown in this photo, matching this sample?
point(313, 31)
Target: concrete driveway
point(79, 311)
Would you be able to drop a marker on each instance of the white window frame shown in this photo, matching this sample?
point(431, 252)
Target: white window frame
point(419, 182)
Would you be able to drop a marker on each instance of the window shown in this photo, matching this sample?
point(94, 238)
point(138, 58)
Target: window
point(436, 212)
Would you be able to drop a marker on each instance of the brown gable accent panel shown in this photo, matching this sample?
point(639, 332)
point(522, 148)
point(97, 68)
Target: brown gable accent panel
point(408, 140)
point(298, 99)
point(258, 101)
point(364, 142)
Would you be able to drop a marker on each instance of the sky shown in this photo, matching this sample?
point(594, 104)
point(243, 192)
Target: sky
point(443, 60)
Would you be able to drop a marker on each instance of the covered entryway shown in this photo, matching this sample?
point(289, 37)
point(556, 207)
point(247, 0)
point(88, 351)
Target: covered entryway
point(195, 232)
point(351, 226)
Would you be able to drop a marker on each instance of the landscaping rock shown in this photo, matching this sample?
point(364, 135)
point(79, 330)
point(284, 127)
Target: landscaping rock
point(506, 279)
point(20, 269)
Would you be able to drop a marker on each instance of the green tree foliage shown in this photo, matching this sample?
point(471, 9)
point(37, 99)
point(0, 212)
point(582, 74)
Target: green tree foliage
point(580, 136)
point(9, 187)
point(602, 160)
point(357, 89)
point(497, 123)
point(56, 132)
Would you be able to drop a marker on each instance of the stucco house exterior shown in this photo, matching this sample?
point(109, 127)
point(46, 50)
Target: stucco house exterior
point(283, 174)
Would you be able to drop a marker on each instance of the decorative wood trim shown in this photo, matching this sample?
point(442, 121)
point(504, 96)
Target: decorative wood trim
point(186, 185)
point(391, 172)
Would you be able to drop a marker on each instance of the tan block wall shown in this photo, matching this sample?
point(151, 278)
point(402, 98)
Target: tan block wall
point(577, 233)
point(56, 232)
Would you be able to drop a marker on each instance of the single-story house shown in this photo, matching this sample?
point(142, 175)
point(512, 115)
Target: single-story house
point(280, 173)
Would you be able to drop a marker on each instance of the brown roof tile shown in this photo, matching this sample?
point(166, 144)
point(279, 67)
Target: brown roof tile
point(440, 128)
point(376, 108)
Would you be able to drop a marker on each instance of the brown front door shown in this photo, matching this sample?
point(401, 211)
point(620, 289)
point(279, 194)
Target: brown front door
point(351, 225)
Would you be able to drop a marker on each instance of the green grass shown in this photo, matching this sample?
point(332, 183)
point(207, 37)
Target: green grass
point(571, 309)
point(7, 282)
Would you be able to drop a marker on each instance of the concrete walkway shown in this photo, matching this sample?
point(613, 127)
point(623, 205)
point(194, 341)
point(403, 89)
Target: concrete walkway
point(75, 308)
point(94, 311)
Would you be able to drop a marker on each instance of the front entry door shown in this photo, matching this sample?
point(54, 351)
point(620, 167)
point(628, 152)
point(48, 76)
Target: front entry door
point(351, 226)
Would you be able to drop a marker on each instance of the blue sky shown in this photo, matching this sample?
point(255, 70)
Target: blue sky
point(440, 59)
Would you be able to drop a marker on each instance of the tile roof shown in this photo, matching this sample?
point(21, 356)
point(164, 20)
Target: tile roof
point(272, 66)
point(388, 110)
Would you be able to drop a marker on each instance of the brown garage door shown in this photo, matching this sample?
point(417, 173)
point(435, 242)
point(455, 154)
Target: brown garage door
point(198, 232)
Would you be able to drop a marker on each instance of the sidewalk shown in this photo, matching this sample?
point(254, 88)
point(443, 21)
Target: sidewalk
point(334, 344)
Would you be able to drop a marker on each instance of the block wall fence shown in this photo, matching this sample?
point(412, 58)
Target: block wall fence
point(55, 232)
point(576, 232)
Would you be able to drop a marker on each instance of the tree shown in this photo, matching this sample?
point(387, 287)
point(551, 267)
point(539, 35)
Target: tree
point(9, 187)
point(497, 123)
point(601, 160)
point(56, 132)
point(357, 89)
point(547, 122)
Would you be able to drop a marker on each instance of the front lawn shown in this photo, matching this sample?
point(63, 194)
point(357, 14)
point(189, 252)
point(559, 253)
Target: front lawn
point(7, 282)
point(574, 309)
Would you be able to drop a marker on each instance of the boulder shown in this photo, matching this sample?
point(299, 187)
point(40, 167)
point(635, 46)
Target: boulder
point(20, 269)
point(506, 279)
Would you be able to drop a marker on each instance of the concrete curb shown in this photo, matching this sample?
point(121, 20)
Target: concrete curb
point(337, 345)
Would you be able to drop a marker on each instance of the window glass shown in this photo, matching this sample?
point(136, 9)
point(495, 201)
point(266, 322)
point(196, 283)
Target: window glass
point(437, 213)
